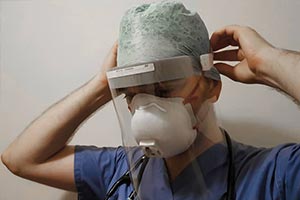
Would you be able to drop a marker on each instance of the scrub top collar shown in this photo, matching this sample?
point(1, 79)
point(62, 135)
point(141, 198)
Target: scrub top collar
point(213, 164)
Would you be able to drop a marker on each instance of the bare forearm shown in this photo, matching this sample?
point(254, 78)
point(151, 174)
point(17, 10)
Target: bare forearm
point(258, 61)
point(283, 72)
point(50, 132)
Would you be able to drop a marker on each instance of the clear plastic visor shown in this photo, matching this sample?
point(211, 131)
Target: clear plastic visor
point(168, 133)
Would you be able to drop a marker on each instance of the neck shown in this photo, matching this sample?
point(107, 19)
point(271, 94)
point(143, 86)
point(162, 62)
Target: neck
point(178, 163)
point(207, 123)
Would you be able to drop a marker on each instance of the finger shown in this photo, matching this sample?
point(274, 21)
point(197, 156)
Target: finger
point(224, 42)
point(111, 58)
point(114, 48)
point(226, 36)
point(226, 70)
point(242, 73)
point(229, 55)
point(239, 72)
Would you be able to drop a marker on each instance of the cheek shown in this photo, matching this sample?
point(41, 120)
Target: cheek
point(196, 104)
point(197, 98)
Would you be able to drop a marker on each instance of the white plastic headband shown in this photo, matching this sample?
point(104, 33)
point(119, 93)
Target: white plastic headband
point(162, 70)
point(207, 61)
point(207, 64)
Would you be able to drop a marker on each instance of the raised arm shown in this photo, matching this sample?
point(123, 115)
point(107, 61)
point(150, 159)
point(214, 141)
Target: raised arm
point(258, 61)
point(41, 152)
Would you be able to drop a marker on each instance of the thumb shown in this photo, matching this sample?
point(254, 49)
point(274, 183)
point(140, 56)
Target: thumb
point(226, 70)
point(111, 59)
point(109, 62)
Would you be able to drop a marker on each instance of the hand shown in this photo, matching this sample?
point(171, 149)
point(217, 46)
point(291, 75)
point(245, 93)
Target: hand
point(109, 62)
point(253, 54)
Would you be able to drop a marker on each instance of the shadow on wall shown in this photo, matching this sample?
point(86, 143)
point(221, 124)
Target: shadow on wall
point(69, 196)
point(261, 135)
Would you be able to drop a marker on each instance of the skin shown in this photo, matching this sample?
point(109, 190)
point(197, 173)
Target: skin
point(50, 160)
point(258, 61)
point(194, 90)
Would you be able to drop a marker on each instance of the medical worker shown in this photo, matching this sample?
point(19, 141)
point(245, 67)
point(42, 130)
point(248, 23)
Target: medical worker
point(199, 165)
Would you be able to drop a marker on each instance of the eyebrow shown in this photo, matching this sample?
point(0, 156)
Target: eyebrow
point(173, 83)
point(140, 89)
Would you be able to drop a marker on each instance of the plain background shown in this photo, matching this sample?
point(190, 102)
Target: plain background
point(49, 48)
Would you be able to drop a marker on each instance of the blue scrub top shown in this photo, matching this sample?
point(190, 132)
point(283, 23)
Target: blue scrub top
point(260, 173)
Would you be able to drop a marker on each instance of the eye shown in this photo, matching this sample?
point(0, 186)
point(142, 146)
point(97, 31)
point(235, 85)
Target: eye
point(164, 92)
point(161, 92)
point(170, 88)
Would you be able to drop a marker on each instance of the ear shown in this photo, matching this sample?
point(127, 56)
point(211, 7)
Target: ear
point(214, 90)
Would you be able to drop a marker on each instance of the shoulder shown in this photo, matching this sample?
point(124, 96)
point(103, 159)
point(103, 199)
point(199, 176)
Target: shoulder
point(269, 171)
point(250, 155)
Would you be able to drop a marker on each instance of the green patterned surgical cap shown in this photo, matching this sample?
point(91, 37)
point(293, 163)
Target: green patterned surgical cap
point(161, 30)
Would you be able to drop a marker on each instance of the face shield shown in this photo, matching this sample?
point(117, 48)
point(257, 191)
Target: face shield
point(170, 134)
point(166, 123)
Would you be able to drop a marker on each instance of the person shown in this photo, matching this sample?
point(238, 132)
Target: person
point(260, 173)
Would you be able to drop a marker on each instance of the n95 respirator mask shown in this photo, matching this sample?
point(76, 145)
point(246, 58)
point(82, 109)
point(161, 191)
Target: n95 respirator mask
point(164, 127)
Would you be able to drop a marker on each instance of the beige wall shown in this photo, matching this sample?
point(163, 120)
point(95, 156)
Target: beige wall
point(49, 48)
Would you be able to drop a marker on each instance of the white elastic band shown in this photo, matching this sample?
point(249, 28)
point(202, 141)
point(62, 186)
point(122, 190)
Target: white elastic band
point(207, 61)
